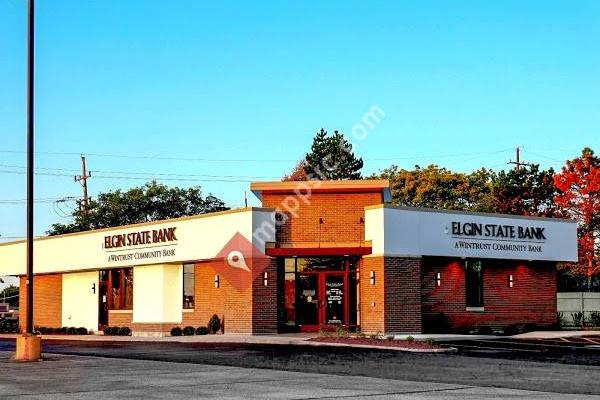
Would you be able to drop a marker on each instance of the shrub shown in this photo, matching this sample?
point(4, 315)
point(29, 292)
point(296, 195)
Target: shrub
point(578, 318)
point(82, 331)
point(512, 330)
point(594, 318)
point(108, 330)
point(124, 331)
point(214, 324)
point(485, 330)
point(71, 331)
point(389, 338)
point(410, 339)
point(202, 330)
point(176, 331)
point(429, 341)
point(560, 319)
point(189, 331)
point(62, 330)
point(360, 334)
point(341, 331)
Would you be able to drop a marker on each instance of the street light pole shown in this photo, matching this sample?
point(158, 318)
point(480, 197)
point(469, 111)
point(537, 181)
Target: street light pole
point(30, 162)
point(29, 345)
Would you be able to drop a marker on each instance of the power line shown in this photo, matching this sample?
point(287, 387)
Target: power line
point(253, 160)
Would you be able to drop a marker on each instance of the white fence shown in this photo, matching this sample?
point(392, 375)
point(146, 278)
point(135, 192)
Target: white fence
point(574, 302)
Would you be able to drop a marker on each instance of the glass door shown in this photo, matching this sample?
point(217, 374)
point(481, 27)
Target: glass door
point(308, 301)
point(334, 300)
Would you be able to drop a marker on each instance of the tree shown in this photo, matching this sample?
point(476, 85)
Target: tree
point(151, 202)
point(332, 158)
point(436, 187)
point(298, 173)
point(524, 191)
point(578, 195)
point(11, 294)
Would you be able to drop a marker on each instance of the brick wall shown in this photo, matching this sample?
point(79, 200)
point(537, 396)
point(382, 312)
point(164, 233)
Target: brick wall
point(252, 311)
point(372, 297)
point(47, 301)
point(402, 295)
point(393, 304)
point(532, 299)
point(341, 213)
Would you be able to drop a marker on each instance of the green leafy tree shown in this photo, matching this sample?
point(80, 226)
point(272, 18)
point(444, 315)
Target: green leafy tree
point(436, 187)
point(524, 191)
point(151, 202)
point(11, 295)
point(332, 158)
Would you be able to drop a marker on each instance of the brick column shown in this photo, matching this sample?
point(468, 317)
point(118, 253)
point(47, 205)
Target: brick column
point(264, 300)
point(402, 295)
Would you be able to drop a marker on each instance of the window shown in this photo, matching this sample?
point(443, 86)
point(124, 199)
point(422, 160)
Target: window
point(189, 284)
point(290, 291)
point(119, 283)
point(474, 283)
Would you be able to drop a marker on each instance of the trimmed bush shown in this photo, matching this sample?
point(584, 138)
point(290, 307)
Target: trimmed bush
point(595, 318)
point(124, 331)
point(176, 331)
point(202, 330)
point(189, 331)
point(214, 324)
point(62, 330)
point(108, 330)
point(71, 331)
point(82, 331)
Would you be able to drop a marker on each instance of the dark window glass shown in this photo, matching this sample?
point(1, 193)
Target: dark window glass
point(119, 288)
point(189, 284)
point(290, 292)
point(474, 283)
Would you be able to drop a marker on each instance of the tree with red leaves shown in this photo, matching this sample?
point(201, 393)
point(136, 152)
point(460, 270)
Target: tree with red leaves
point(578, 195)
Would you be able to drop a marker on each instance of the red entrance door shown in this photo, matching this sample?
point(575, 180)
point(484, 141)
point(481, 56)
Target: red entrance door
point(323, 300)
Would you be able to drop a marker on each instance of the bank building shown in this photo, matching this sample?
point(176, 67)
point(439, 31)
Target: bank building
point(315, 254)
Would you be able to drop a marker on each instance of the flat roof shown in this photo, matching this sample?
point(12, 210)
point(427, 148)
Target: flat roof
point(315, 186)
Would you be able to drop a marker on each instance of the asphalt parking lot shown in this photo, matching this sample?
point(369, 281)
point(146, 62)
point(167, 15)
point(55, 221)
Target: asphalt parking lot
point(85, 377)
point(469, 373)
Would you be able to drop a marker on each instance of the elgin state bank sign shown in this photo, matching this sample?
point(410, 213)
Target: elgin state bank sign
point(145, 244)
point(426, 232)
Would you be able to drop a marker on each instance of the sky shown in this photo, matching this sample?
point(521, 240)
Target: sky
point(219, 94)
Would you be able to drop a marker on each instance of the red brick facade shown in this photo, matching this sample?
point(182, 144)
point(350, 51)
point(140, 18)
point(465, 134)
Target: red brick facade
point(532, 299)
point(47, 301)
point(342, 216)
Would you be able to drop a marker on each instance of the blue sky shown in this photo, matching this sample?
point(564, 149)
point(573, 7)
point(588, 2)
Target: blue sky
point(235, 90)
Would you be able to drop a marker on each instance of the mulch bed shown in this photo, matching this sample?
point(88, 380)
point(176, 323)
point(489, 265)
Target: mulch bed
point(377, 342)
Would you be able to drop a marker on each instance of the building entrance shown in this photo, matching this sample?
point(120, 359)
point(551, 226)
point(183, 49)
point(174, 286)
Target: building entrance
point(319, 292)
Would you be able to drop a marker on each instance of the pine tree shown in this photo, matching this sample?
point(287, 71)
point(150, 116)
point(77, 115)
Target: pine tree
point(332, 158)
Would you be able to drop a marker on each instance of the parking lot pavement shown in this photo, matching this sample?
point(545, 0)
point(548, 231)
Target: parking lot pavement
point(83, 377)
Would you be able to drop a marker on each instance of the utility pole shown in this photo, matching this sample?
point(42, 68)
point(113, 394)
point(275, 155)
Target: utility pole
point(85, 202)
point(517, 161)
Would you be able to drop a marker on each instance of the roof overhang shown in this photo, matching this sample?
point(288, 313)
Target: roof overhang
point(340, 186)
point(318, 249)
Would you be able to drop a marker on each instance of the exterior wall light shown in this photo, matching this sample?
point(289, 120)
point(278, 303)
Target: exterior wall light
point(438, 279)
point(372, 277)
point(217, 281)
point(510, 281)
point(266, 279)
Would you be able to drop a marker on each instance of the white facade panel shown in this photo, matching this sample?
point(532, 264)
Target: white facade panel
point(157, 293)
point(177, 240)
point(80, 300)
point(421, 232)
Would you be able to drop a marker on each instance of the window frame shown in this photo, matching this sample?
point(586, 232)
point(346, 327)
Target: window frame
point(186, 305)
point(474, 281)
